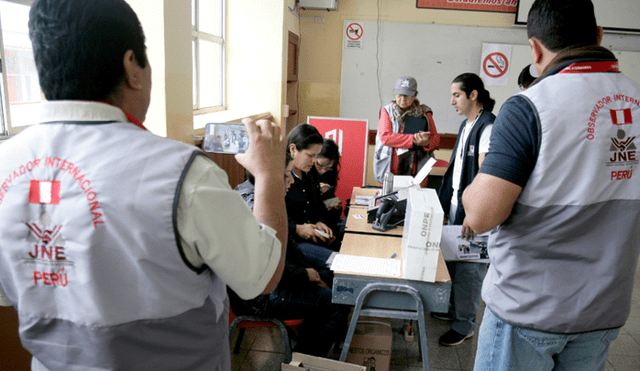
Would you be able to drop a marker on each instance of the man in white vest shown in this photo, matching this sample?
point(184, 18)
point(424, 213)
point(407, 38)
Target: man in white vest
point(558, 184)
point(116, 245)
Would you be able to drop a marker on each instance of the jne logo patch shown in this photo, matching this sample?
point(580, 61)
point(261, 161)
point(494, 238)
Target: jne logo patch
point(44, 192)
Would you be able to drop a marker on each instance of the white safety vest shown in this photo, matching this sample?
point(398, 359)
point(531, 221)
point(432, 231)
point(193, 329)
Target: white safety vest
point(564, 260)
point(90, 253)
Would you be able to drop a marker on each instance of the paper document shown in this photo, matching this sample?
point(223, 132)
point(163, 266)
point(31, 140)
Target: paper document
point(330, 259)
point(456, 248)
point(363, 200)
point(330, 202)
point(366, 265)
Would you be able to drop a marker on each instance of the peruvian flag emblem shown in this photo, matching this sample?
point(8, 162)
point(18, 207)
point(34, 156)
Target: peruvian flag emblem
point(621, 116)
point(44, 192)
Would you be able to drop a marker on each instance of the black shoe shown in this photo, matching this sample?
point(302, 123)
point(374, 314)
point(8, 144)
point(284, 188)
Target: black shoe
point(452, 338)
point(445, 316)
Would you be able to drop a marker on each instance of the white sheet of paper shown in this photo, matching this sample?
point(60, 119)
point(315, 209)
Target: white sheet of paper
point(329, 261)
point(366, 265)
point(455, 248)
point(363, 200)
point(426, 169)
point(404, 181)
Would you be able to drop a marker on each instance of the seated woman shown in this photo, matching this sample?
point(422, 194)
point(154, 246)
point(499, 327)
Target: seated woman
point(306, 211)
point(327, 166)
point(316, 255)
point(402, 148)
point(304, 291)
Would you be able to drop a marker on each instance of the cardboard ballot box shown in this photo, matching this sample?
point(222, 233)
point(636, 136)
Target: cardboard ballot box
point(304, 362)
point(371, 344)
point(421, 236)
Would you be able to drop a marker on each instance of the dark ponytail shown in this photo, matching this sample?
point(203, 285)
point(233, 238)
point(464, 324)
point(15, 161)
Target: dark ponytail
point(470, 82)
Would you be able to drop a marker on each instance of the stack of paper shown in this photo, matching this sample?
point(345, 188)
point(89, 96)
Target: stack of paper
point(366, 265)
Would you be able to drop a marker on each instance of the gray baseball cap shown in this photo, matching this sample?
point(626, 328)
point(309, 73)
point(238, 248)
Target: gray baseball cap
point(406, 85)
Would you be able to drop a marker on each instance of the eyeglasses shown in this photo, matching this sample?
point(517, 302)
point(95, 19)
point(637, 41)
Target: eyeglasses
point(327, 165)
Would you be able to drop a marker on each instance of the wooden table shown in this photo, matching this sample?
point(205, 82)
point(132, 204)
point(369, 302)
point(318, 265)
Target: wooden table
point(357, 223)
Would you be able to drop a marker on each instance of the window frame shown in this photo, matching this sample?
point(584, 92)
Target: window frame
point(197, 35)
point(6, 129)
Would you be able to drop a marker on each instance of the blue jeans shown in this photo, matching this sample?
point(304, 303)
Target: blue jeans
point(466, 289)
point(324, 322)
point(502, 346)
point(317, 255)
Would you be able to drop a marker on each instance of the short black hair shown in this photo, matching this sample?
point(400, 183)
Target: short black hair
point(304, 136)
point(79, 46)
point(470, 82)
point(559, 24)
point(525, 78)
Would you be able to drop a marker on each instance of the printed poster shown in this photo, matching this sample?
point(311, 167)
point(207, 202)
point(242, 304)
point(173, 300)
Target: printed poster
point(351, 136)
point(495, 63)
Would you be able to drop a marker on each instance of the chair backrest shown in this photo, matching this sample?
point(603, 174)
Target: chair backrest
point(254, 322)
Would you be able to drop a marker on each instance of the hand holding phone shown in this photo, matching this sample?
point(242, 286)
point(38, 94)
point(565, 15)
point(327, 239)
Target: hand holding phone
point(325, 187)
point(230, 138)
point(266, 153)
point(323, 234)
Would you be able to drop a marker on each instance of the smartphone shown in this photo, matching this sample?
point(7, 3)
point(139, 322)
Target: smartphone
point(225, 138)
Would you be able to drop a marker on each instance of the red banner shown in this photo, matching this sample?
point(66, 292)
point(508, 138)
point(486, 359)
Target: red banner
point(351, 136)
point(504, 6)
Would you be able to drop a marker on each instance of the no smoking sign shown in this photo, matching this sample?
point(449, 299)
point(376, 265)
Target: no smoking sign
point(495, 65)
point(354, 31)
point(353, 38)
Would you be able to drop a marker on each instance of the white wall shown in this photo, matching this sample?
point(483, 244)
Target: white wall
point(167, 27)
point(255, 49)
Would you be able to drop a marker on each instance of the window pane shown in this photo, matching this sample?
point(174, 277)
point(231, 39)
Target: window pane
point(210, 73)
point(195, 72)
point(209, 20)
point(193, 12)
point(22, 77)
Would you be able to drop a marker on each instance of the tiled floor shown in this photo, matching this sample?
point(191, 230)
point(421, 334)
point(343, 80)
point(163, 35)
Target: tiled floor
point(262, 350)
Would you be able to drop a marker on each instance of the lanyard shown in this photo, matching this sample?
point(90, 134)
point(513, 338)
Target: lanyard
point(585, 67)
point(129, 116)
point(134, 120)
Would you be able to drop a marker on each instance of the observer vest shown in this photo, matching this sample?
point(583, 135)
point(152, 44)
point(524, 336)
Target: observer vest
point(90, 252)
point(563, 261)
point(469, 165)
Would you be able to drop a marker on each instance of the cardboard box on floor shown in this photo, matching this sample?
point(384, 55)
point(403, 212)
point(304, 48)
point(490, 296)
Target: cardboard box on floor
point(304, 362)
point(371, 344)
point(421, 235)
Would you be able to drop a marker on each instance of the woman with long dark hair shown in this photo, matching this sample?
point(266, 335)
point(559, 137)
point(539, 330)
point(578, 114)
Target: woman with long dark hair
point(304, 291)
point(305, 208)
point(327, 167)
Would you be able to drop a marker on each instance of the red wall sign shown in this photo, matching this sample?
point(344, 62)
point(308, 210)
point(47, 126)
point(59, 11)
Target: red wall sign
point(351, 135)
point(504, 6)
